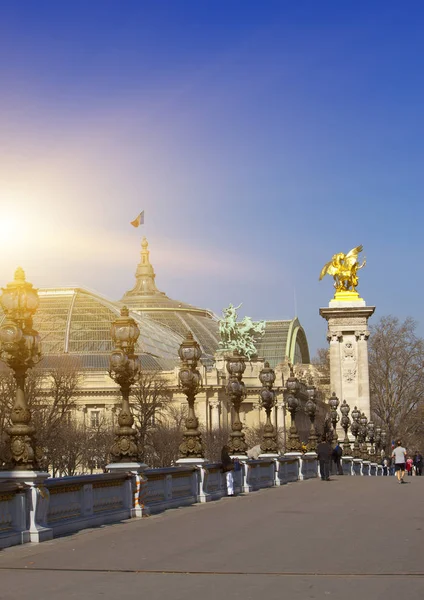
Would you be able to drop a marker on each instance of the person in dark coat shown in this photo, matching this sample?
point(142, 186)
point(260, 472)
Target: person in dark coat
point(324, 451)
point(418, 463)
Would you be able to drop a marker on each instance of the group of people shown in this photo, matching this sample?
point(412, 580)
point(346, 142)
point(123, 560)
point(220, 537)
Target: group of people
point(326, 453)
point(399, 463)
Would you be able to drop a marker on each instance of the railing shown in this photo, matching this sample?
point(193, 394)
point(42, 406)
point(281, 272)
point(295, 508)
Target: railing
point(41, 509)
point(169, 488)
point(72, 503)
point(13, 515)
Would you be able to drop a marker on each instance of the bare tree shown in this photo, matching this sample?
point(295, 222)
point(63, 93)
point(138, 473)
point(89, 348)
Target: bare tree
point(149, 398)
point(396, 358)
point(97, 443)
point(162, 448)
point(53, 408)
point(213, 441)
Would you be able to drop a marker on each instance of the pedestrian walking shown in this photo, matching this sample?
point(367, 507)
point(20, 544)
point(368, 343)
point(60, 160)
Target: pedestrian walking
point(227, 467)
point(337, 458)
point(324, 452)
point(418, 463)
point(386, 464)
point(399, 458)
point(409, 466)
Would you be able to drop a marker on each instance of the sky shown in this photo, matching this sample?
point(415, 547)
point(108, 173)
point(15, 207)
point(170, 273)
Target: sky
point(260, 138)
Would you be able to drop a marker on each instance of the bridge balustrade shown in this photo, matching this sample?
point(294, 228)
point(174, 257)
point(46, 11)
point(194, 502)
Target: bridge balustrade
point(41, 510)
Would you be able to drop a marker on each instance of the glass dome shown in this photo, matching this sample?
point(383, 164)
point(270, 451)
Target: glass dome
point(73, 322)
point(146, 299)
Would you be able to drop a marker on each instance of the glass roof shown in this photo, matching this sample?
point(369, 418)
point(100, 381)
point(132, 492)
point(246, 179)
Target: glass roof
point(204, 329)
point(76, 322)
point(283, 340)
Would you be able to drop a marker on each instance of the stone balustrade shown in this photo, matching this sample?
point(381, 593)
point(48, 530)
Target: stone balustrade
point(43, 510)
point(13, 515)
point(169, 488)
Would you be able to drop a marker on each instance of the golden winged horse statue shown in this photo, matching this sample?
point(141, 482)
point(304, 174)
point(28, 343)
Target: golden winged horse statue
point(344, 268)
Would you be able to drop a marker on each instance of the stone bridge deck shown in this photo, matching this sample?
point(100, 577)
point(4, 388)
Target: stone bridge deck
point(350, 538)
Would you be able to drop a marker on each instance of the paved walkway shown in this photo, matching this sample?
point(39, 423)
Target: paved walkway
point(352, 537)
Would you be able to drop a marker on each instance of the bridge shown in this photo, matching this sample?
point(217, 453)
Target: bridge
point(350, 538)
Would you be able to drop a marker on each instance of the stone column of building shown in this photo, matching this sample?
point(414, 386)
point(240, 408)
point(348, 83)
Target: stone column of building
point(348, 334)
point(215, 406)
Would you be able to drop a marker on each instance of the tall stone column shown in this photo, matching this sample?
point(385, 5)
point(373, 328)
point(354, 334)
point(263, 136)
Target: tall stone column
point(215, 411)
point(348, 334)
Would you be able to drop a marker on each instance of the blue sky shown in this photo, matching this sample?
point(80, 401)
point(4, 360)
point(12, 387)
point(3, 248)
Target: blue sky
point(259, 137)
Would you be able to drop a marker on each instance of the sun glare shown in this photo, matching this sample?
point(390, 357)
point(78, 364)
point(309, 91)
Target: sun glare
point(9, 227)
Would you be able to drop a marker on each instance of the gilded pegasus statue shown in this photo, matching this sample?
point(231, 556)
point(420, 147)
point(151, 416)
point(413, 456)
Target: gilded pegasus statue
point(344, 268)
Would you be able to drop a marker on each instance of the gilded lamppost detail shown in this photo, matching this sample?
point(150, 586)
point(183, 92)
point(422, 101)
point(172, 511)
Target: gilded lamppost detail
point(20, 350)
point(236, 393)
point(310, 410)
point(124, 369)
point(355, 427)
point(334, 416)
point(269, 443)
point(190, 380)
point(345, 422)
point(293, 405)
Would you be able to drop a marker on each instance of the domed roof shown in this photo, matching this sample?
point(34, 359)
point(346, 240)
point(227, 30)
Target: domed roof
point(284, 340)
point(73, 322)
point(146, 299)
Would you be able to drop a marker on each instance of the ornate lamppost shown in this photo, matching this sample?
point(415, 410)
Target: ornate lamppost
point(345, 422)
point(378, 440)
point(293, 405)
point(310, 410)
point(383, 440)
point(236, 392)
point(363, 422)
point(20, 350)
point(371, 437)
point(190, 381)
point(355, 427)
point(267, 394)
point(334, 416)
point(124, 368)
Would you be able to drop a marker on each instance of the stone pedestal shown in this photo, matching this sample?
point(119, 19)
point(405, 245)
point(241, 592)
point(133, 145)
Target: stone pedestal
point(136, 496)
point(348, 336)
point(192, 461)
point(38, 503)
